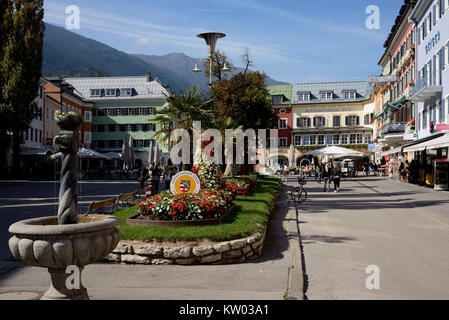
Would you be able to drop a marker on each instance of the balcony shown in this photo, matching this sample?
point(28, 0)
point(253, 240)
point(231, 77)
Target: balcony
point(423, 91)
point(394, 128)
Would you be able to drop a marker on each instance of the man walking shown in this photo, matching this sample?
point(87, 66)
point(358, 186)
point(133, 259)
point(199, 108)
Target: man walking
point(327, 174)
point(143, 174)
point(155, 179)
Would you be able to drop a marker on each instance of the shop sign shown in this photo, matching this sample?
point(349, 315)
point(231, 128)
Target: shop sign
point(372, 147)
point(433, 42)
point(442, 127)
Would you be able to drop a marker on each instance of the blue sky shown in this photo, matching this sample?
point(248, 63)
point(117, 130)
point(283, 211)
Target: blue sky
point(291, 40)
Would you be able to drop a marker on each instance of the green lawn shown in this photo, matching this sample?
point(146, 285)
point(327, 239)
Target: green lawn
point(249, 216)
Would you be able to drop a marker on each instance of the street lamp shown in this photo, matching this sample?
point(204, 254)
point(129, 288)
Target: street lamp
point(211, 41)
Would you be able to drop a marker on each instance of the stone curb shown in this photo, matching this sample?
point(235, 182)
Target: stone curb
point(227, 252)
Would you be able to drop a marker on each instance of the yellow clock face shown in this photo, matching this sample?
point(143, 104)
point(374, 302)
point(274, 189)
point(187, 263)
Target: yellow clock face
point(185, 182)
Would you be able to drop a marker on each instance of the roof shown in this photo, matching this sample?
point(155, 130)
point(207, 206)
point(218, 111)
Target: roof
point(362, 88)
point(285, 90)
point(143, 89)
point(419, 11)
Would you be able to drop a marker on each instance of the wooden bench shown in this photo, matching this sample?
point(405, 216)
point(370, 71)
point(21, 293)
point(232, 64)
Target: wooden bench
point(142, 193)
point(107, 206)
point(126, 199)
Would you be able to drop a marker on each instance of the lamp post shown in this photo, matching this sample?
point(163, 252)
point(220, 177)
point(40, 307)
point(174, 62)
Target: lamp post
point(211, 41)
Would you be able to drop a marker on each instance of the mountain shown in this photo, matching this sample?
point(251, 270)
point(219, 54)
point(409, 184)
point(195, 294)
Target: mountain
point(69, 54)
point(183, 65)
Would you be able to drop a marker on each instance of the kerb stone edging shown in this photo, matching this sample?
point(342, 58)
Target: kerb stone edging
point(227, 252)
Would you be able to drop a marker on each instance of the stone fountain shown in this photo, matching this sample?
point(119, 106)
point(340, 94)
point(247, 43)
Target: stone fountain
point(65, 240)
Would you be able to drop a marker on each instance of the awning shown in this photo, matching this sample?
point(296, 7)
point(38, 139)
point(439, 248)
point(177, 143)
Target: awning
point(440, 142)
point(393, 106)
point(390, 152)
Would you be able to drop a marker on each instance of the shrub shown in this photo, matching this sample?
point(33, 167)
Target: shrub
point(240, 186)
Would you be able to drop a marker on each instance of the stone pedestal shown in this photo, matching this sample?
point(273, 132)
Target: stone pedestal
point(60, 284)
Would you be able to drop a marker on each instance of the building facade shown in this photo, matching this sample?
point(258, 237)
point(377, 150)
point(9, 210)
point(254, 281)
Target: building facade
point(332, 113)
point(122, 105)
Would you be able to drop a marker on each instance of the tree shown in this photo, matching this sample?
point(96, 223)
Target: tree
point(244, 98)
point(22, 36)
point(218, 61)
point(182, 110)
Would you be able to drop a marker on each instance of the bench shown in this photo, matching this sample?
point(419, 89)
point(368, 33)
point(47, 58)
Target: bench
point(107, 206)
point(142, 193)
point(126, 199)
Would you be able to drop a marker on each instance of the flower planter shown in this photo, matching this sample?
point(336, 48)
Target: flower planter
point(135, 221)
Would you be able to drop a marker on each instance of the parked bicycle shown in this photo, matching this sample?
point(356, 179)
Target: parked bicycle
point(299, 194)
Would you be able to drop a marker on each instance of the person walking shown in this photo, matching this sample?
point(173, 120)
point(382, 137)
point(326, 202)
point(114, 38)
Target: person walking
point(155, 179)
point(327, 178)
point(336, 176)
point(142, 176)
point(167, 178)
point(319, 172)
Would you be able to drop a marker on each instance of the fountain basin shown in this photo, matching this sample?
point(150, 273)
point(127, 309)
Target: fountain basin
point(41, 242)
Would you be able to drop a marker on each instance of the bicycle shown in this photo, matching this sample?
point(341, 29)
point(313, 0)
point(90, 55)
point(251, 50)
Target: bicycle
point(299, 194)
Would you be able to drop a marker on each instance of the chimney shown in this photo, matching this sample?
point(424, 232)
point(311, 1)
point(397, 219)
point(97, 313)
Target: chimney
point(148, 77)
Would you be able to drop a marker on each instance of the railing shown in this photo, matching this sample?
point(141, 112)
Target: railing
point(419, 85)
point(398, 127)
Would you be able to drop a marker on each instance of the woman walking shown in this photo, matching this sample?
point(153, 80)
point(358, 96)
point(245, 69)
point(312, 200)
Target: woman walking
point(336, 176)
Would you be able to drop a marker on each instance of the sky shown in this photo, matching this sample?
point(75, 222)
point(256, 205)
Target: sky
point(290, 40)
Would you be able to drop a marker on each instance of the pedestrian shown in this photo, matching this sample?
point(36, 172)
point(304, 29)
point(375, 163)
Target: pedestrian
point(319, 171)
point(167, 177)
point(336, 176)
point(142, 176)
point(327, 178)
point(155, 179)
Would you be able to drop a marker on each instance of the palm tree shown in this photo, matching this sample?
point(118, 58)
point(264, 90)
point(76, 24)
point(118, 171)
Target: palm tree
point(182, 110)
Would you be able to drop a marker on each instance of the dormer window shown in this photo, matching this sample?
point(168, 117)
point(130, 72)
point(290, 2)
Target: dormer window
point(277, 100)
point(349, 94)
point(327, 95)
point(95, 92)
point(303, 96)
point(126, 92)
point(110, 92)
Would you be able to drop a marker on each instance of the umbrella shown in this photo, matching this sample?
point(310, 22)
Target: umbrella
point(125, 151)
point(150, 153)
point(157, 154)
point(132, 155)
point(113, 155)
point(84, 153)
point(335, 151)
point(291, 156)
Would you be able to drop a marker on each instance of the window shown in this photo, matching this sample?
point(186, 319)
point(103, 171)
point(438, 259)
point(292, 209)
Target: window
point(344, 138)
point(327, 95)
point(112, 127)
point(367, 119)
point(35, 135)
point(122, 128)
point(139, 127)
point(352, 121)
point(110, 92)
point(424, 118)
point(87, 137)
point(276, 100)
point(126, 92)
point(313, 140)
point(352, 138)
point(139, 143)
point(305, 140)
point(359, 138)
point(303, 122)
point(321, 140)
point(129, 127)
point(336, 121)
point(303, 96)
point(282, 142)
point(336, 139)
point(88, 116)
point(319, 122)
point(368, 138)
point(297, 140)
point(40, 136)
point(282, 111)
point(329, 139)
point(95, 92)
point(282, 123)
point(349, 94)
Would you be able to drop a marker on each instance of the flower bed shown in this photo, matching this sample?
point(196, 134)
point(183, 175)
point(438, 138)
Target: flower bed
point(240, 186)
point(207, 204)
